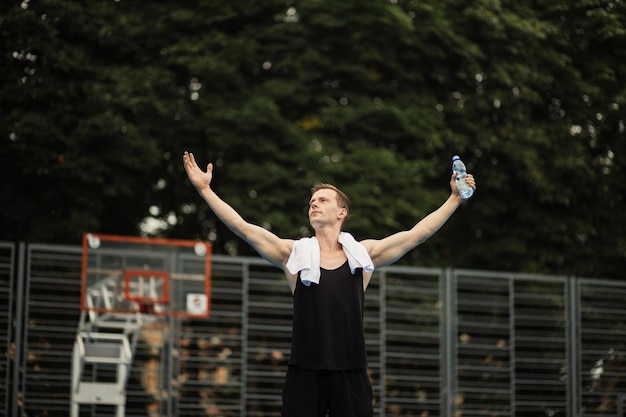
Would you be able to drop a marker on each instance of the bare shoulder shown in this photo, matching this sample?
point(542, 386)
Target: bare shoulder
point(288, 245)
point(388, 250)
point(274, 249)
point(284, 247)
point(373, 247)
point(369, 244)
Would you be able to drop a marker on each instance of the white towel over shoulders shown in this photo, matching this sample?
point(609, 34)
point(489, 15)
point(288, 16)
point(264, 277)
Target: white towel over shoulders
point(305, 257)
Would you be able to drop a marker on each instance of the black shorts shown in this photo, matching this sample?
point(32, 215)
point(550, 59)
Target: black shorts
point(318, 393)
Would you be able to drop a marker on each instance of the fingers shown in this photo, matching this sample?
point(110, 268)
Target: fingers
point(188, 160)
point(192, 159)
point(470, 180)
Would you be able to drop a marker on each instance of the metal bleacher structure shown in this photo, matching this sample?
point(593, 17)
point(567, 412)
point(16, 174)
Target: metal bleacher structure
point(441, 342)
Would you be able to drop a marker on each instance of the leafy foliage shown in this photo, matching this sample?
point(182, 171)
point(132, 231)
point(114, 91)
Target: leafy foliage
point(100, 99)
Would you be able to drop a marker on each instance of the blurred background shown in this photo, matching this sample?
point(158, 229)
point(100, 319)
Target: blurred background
point(100, 99)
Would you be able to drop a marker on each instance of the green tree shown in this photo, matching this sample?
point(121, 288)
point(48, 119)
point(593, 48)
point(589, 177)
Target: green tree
point(80, 94)
point(100, 99)
point(541, 108)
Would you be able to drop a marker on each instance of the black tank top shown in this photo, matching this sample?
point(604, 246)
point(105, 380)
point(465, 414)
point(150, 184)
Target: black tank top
point(328, 322)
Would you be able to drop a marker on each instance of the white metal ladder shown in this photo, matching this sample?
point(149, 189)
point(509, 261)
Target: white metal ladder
point(103, 340)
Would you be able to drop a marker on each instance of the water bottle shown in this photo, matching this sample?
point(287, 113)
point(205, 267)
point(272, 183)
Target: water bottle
point(465, 191)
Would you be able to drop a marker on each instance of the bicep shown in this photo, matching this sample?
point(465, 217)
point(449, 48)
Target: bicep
point(271, 247)
point(388, 250)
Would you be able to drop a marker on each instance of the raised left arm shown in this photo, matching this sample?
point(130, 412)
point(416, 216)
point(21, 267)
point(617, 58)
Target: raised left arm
point(388, 250)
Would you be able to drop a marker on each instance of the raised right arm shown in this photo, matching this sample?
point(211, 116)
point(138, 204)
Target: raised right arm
point(268, 245)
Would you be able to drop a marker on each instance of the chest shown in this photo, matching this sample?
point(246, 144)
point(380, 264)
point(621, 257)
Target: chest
point(338, 291)
point(333, 260)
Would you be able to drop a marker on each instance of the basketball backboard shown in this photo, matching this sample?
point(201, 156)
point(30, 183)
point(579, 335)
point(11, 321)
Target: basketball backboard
point(123, 274)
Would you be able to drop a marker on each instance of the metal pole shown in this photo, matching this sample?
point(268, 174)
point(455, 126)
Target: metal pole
point(9, 324)
point(383, 341)
point(170, 368)
point(170, 340)
point(573, 352)
point(511, 345)
point(448, 331)
point(245, 312)
point(19, 318)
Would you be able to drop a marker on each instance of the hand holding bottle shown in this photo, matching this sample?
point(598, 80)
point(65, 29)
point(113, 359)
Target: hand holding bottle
point(458, 167)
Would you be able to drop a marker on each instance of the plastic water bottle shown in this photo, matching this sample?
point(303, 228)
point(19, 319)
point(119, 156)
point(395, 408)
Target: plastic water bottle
point(465, 191)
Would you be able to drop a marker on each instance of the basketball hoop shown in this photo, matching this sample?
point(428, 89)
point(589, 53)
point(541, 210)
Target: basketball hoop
point(122, 274)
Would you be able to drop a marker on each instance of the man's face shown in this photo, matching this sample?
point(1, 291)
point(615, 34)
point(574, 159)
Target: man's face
point(323, 208)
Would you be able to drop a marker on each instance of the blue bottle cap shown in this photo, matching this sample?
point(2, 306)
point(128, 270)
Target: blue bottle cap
point(455, 158)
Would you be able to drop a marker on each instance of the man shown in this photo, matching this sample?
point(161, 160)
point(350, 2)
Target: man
point(327, 275)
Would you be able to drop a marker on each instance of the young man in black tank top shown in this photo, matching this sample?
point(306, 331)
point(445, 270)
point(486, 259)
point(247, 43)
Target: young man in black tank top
point(327, 373)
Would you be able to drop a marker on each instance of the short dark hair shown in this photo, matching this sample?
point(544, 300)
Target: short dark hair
point(342, 199)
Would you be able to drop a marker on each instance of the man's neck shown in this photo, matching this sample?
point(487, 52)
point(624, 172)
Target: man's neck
point(328, 240)
point(332, 255)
